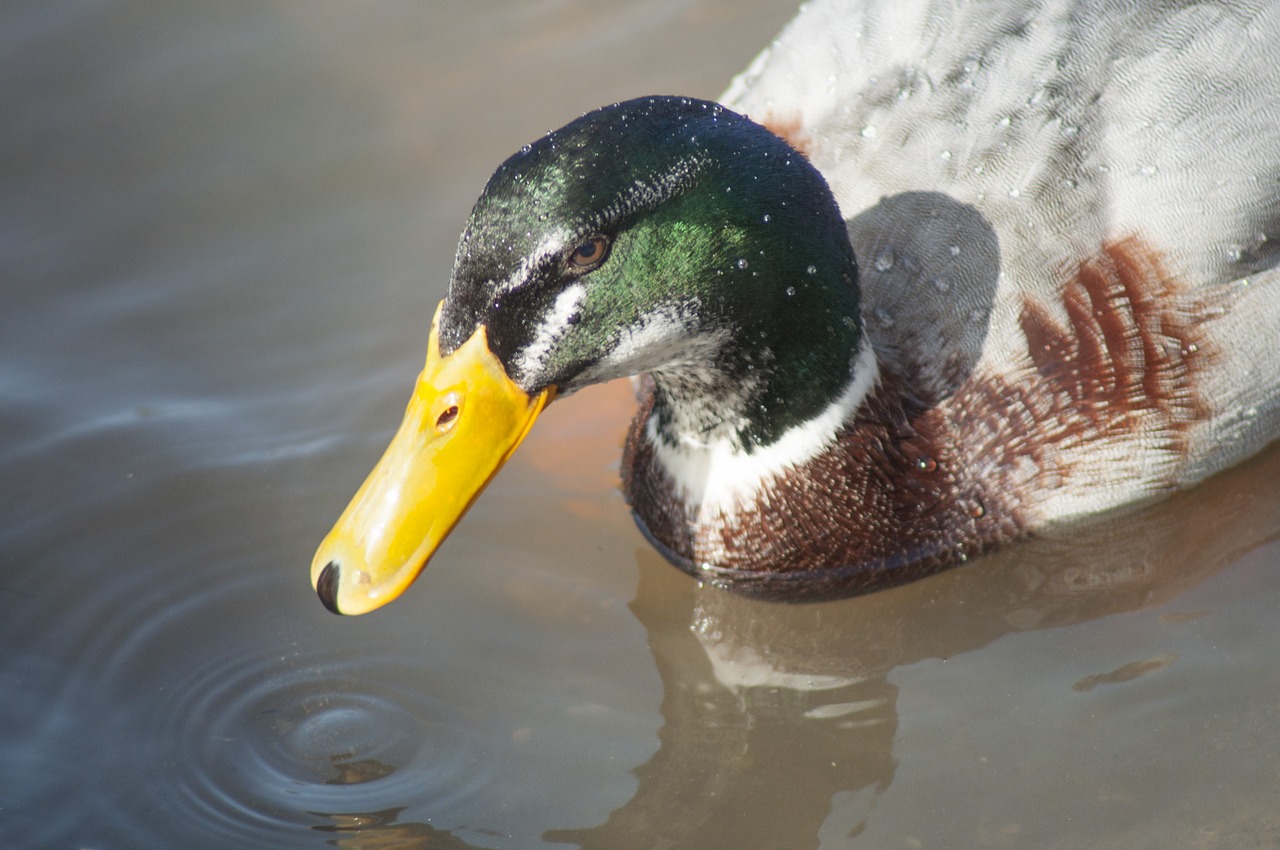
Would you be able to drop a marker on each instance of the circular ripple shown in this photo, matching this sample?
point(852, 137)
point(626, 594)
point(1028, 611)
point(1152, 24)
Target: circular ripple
point(278, 741)
point(233, 740)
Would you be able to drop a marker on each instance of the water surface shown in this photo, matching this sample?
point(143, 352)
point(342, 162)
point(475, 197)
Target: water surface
point(223, 228)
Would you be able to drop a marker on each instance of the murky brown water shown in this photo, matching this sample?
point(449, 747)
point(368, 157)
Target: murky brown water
point(222, 231)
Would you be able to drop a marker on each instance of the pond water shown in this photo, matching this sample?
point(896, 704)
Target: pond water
point(223, 228)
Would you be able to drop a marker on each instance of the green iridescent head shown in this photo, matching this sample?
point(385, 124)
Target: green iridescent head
point(669, 236)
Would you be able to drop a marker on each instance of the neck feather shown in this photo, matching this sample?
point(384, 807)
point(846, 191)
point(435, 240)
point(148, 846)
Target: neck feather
point(715, 473)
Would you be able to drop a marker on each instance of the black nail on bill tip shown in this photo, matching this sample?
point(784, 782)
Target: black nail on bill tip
point(327, 586)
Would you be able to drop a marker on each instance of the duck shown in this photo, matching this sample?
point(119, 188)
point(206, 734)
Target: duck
point(928, 278)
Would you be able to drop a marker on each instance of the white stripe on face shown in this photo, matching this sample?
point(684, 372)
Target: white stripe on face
point(532, 357)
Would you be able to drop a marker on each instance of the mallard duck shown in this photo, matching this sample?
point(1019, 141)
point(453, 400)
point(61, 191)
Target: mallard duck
point(1050, 293)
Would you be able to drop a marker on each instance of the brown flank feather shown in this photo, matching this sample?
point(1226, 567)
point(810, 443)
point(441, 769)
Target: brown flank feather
point(790, 130)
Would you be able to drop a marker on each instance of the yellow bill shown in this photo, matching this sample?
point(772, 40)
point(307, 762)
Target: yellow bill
point(466, 417)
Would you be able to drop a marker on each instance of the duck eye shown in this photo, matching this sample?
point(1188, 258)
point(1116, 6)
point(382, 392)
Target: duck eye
point(589, 254)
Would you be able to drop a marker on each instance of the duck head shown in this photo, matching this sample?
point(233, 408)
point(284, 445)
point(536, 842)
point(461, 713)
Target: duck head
point(662, 235)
